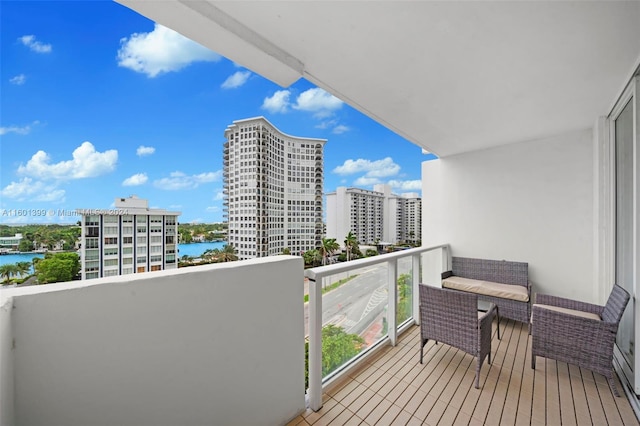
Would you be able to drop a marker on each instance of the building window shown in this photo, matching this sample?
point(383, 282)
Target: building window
point(111, 240)
point(91, 243)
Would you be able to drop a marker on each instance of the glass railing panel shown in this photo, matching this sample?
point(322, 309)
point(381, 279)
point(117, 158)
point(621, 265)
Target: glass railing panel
point(404, 283)
point(354, 307)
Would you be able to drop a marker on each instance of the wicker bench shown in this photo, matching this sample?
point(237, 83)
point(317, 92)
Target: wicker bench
point(504, 283)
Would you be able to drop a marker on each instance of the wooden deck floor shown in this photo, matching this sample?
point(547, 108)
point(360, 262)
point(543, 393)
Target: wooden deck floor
point(394, 389)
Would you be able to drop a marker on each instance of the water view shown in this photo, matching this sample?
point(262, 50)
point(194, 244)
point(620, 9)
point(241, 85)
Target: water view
point(196, 249)
point(193, 250)
point(7, 259)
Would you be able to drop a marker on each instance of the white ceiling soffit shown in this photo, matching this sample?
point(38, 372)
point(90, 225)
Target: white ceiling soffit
point(204, 22)
point(451, 77)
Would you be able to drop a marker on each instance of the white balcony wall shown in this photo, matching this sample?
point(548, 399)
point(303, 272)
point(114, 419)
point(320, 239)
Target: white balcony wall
point(218, 344)
point(531, 201)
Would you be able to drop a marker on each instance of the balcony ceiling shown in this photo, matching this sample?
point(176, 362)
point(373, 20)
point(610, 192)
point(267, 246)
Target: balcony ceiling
point(450, 77)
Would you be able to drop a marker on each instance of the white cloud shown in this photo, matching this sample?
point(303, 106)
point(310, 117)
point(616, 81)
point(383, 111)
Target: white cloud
point(180, 180)
point(213, 209)
point(18, 80)
point(135, 180)
point(326, 124)
point(340, 129)
point(145, 150)
point(366, 181)
point(279, 102)
point(161, 50)
point(86, 162)
point(379, 168)
point(18, 130)
point(35, 45)
point(406, 185)
point(28, 189)
point(236, 80)
point(219, 196)
point(318, 101)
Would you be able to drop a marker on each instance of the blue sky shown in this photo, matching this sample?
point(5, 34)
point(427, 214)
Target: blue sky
point(98, 102)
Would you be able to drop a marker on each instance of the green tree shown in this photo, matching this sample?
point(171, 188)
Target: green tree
point(338, 347)
point(7, 271)
point(371, 252)
point(327, 248)
point(228, 254)
point(350, 242)
point(59, 267)
point(25, 245)
point(23, 268)
point(404, 298)
point(286, 250)
point(312, 258)
point(74, 258)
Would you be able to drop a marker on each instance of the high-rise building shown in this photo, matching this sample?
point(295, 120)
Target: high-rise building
point(129, 239)
point(374, 216)
point(272, 189)
point(409, 218)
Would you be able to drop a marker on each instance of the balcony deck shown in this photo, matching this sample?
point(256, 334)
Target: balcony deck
point(393, 388)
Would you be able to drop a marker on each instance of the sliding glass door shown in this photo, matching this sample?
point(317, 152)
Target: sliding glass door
point(627, 224)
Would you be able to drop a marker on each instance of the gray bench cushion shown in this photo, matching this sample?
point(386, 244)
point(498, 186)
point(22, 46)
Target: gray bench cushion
point(487, 288)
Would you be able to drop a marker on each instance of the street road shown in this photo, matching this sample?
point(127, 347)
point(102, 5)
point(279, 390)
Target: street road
point(354, 304)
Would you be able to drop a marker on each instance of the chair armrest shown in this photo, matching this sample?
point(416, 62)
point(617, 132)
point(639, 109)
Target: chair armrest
point(545, 299)
point(447, 274)
point(578, 333)
point(560, 323)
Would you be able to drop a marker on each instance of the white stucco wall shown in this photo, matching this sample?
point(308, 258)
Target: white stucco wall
point(530, 202)
point(7, 415)
point(219, 344)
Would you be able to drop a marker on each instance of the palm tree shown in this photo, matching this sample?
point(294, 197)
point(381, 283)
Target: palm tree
point(326, 249)
point(23, 268)
point(8, 270)
point(350, 242)
point(228, 254)
point(312, 258)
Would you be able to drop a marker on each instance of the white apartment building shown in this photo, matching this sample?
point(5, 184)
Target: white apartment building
point(273, 189)
point(409, 214)
point(129, 239)
point(373, 216)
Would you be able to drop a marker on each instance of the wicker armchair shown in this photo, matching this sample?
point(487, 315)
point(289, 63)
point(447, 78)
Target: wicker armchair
point(578, 333)
point(452, 317)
